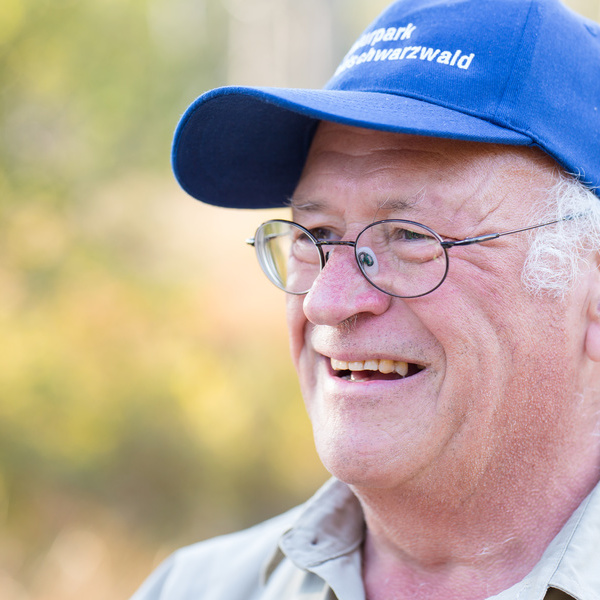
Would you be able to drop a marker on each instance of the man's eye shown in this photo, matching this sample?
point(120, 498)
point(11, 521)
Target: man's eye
point(403, 234)
point(413, 235)
point(323, 233)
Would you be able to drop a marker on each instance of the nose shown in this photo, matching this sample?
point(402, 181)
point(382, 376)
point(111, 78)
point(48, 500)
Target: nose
point(341, 291)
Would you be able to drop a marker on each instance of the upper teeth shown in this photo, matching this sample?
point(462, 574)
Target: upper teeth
point(384, 366)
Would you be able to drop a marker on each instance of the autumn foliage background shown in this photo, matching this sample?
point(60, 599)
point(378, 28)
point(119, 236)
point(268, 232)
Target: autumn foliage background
point(146, 395)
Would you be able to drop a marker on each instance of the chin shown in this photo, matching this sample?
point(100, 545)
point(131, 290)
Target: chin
point(364, 464)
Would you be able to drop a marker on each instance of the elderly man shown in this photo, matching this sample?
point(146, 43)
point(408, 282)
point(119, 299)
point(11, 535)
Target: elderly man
point(443, 307)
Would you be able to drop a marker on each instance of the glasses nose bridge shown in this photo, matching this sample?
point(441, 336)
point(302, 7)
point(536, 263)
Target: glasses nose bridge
point(348, 243)
point(321, 243)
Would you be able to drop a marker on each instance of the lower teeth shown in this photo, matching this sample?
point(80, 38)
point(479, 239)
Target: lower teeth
point(361, 376)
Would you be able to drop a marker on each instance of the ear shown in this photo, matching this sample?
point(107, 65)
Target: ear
point(592, 341)
point(592, 336)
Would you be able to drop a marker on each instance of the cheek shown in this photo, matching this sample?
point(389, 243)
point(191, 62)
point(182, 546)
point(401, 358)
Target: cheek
point(296, 322)
point(478, 332)
point(480, 299)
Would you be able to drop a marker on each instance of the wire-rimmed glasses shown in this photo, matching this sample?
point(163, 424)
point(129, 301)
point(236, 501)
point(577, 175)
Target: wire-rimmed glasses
point(400, 258)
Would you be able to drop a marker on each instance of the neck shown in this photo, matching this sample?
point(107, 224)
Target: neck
point(424, 545)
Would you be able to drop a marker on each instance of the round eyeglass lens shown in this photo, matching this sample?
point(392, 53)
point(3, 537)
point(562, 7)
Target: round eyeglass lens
point(288, 255)
point(401, 258)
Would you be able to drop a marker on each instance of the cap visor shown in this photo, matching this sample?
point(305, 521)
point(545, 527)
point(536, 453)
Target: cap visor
point(245, 147)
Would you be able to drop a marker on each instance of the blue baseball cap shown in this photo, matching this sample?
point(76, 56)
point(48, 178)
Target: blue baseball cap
point(521, 72)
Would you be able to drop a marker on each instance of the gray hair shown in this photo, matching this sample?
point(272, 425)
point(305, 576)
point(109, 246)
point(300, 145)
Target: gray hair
point(559, 253)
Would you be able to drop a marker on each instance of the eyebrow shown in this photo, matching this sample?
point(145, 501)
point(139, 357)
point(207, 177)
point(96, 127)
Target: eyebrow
point(307, 204)
point(397, 204)
point(302, 205)
point(388, 205)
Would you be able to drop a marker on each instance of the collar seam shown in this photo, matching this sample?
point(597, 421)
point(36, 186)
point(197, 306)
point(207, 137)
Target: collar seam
point(559, 562)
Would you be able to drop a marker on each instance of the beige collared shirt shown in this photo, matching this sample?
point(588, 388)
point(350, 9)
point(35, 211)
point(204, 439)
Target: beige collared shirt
point(314, 553)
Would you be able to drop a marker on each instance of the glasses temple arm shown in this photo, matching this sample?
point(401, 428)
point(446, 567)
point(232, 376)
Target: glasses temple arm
point(492, 236)
point(472, 240)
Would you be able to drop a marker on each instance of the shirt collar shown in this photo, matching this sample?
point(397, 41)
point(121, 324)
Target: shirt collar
point(331, 525)
point(570, 563)
point(577, 572)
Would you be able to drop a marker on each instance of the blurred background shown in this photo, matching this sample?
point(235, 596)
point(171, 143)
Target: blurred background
point(146, 396)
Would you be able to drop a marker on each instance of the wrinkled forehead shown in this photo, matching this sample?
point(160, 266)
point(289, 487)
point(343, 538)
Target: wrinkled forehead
point(349, 163)
point(334, 138)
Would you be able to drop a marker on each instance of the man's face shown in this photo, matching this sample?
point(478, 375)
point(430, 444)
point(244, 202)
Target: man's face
point(493, 370)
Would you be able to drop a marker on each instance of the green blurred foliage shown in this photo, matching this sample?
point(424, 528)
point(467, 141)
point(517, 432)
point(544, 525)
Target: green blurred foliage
point(125, 396)
point(146, 396)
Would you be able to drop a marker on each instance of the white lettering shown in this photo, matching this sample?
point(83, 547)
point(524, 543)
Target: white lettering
point(366, 56)
point(389, 34)
point(428, 54)
point(398, 52)
point(377, 36)
point(383, 54)
point(414, 51)
point(407, 49)
point(445, 57)
point(347, 64)
point(372, 38)
point(400, 31)
point(409, 30)
point(465, 61)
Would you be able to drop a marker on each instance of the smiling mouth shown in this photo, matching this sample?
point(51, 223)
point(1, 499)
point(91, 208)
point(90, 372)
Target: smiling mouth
point(374, 370)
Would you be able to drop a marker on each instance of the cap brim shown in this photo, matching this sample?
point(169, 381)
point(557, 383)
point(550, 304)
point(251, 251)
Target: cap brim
point(245, 147)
